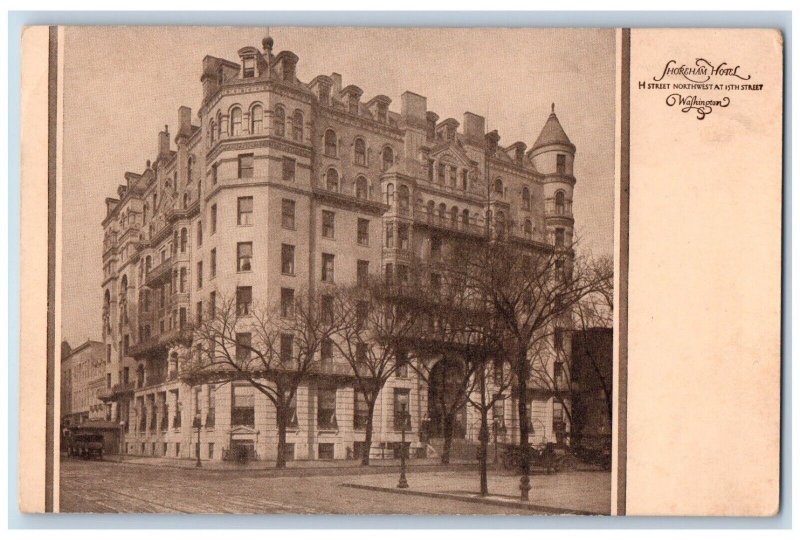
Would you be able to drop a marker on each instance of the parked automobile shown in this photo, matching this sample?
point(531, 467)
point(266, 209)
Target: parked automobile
point(546, 456)
point(86, 446)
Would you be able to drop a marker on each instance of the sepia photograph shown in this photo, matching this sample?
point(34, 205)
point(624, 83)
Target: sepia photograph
point(336, 270)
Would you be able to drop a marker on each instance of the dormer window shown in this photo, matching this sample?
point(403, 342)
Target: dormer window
point(288, 70)
point(248, 67)
point(324, 94)
point(382, 112)
point(352, 104)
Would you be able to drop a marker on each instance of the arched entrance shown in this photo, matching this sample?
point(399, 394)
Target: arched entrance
point(446, 396)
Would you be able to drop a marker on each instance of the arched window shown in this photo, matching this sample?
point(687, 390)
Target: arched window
point(184, 240)
point(526, 198)
point(297, 125)
point(442, 210)
point(465, 216)
point(560, 202)
point(123, 288)
point(235, 128)
point(498, 187)
point(454, 215)
point(390, 194)
point(279, 120)
point(362, 188)
point(219, 125)
point(332, 180)
point(330, 143)
point(430, 208)
point(360, 152)
point(256, 118)
point(387, 158)
point(199, 233)
point(403, 197)
point(212, 128)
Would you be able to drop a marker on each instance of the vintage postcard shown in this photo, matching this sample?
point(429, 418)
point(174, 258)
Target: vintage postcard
point(332, 270)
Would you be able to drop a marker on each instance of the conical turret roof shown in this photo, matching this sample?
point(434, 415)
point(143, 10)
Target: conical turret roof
point(552, 133)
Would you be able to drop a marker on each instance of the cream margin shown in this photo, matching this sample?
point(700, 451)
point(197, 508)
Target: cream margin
point(33, 274)
point(705, 283)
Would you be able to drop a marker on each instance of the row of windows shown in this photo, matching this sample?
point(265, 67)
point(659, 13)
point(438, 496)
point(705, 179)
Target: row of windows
point(255, 125)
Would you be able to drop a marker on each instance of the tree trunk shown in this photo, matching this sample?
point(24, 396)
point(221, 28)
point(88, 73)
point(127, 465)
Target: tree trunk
point(522, 408)
point(447, 433)
point(280, 462)
point(483, 452)
point(368, 433)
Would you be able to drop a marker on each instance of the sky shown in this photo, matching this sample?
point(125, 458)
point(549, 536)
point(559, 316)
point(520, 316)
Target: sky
point(123, 84)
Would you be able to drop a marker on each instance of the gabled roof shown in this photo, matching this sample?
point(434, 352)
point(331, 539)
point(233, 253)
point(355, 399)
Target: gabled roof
point(552, 133)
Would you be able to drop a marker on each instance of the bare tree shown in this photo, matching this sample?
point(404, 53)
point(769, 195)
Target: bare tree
point(372, 326)
point(271, 348)
point(528, 289)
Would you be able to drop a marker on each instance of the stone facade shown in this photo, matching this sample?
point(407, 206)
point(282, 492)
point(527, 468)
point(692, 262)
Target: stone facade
point(269, 161)
point(83, 381)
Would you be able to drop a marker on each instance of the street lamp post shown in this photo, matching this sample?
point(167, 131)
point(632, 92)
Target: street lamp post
point(197, 425)
point(403, 483)
point(121, 439)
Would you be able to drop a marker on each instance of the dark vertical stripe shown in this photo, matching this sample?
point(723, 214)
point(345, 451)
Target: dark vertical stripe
point(624, 250)
point(52, 125)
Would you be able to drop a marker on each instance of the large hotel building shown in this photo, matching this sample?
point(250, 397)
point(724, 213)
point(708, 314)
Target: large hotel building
point(282, 185)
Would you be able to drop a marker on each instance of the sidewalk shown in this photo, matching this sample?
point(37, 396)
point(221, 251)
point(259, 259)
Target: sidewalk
point(573, 492)
point(299, 467)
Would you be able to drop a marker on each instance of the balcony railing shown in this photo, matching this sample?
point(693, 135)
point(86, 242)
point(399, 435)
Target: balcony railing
point(553, 209)
point(161, 273)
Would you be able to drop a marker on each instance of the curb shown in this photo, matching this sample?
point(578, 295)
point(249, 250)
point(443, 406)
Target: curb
point(462, 498)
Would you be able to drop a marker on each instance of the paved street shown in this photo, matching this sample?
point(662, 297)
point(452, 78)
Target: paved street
point(92, 486)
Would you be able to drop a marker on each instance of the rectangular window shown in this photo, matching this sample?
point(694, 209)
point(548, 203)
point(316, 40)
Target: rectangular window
point(402, 236)
point(561, 164)
point(497, 371)
point(401, 408)
point(244, 211)
point(200, 312)
point(244, 300)
point(328, 223)
point(327, 267)
point(325, 450)
point(248, 67)
point(362, 312)
point(326, 355)
point(436, 247)
point(213, 264)
point(287, 259)
point(200, 274)
point(362, 273)
point(244, 256)
point(558, 373)
point(558, 340)
point(362, 232)
point(326, 408)
point(287, 346)
point(287, 302)
point(401, 364)
point(287, 214)
point(360, 411)
point(243, 342)
point(243, 406)
point(213, 218)
point(245, 165)
point(390, 235)
point(214, 174)
point(211, 450)
point(389, 272)
point(560, 237)
point(326, 309)
point(212, 407)
point(288, 169)
point(402, 273)
point(212, 304)
point(292, 411)
point(431, 169)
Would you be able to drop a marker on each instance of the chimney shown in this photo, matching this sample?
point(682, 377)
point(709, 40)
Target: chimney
point(474, 128)
point(492, 138)
point(163, 142)
point(413, 108)
point(519, 151)
point(337, 84)
point(184, 121)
